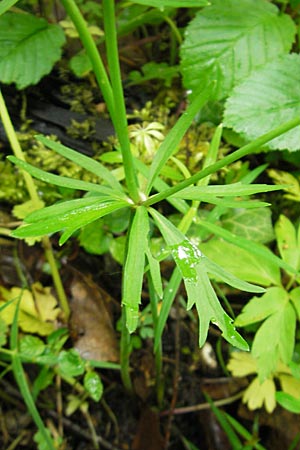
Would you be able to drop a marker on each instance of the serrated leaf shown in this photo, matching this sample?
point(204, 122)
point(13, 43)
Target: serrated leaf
point(258, 394)
point(254, 225)
point(161, 4)
point(266, 99)
point(31, 346)
point(259, 308)
point(38, 309)
point(241, 364)
point(134, 266)
point(93, 385)
point(70, 363)
point(226, 41)
point(295, 298)
point(23, 59)
point(287, 241)
point(275, 340)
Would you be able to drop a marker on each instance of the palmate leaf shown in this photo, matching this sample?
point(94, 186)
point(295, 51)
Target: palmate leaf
point(190, 262)
point(228, 40)
point(134, 266)
point(30, 51)
point(268, 97)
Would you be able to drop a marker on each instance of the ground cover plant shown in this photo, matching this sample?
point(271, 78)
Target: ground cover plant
point(183, 234)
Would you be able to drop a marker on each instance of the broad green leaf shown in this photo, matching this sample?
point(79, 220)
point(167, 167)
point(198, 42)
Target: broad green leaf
point(221, 274)
point(290, 384)
point(259, 308)
point(275, 340)
point(29, 47)
point(228, 40)
point(242, 364)
point(6, 4)
point(256, 249)
point(258, 394)
point(83, 161)
point(81, 65)
point(93, 385)
point(70, 363)
point(288, 402)
point(287, 241)
point(255, 225)
point(31, 346)
point(267, 98)
point(161, 4)
point(172, 140)
point(295, 298)
point(242, 263)
point(190, 262)
point(134, 266)
point(94, 239)
point(38, 310)
point(65, 181)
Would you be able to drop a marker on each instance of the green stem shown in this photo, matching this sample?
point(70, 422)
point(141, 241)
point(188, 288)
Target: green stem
point(243, 151)
point(125, 353)
point(120, 123)
point(18, 152)
point(93, 54)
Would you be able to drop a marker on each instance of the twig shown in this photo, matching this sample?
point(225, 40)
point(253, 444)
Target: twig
point(202, 406)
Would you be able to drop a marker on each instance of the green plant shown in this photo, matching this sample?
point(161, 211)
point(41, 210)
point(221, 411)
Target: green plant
point(143, 199)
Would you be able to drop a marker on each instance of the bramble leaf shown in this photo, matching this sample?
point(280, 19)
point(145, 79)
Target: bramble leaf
point(267, 98)
point(23, 59)
point(228, 40)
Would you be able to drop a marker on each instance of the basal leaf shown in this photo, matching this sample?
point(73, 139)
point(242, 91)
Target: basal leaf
point(255, 225)
point(259, 308)
point(226, 41)
point(173, 3)
point(134, 266)
point(259, 393)
point(275, 341)
point(256, 249)
point(287, 241)
point(242, 263)
point(86, 162)
point(30, 51)
point(267, 98)
point(71, 183)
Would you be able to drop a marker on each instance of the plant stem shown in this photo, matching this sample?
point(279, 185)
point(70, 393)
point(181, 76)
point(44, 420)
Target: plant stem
point(243, 151)
point(93, 54)
point(120, 123)
point(18, 152)
point(125, 353)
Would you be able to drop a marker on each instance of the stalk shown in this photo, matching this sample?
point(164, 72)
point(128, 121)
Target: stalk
point(18, 152)
point(121, 124)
